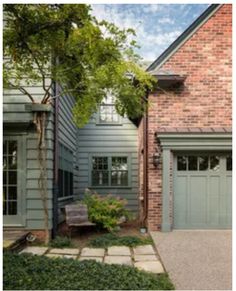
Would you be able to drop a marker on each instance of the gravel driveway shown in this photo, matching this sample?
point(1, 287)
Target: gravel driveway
point(197, 259)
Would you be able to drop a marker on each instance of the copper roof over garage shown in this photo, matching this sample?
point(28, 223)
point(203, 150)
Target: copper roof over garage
point(185, 130)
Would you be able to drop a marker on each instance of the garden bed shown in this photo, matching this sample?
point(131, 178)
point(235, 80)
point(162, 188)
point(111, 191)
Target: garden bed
point(28, 272)
point(82, 237)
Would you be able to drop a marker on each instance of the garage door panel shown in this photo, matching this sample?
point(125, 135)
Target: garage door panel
point(181, 201)
point(203, 194)
point(227, 210)
point(214, 200)
point(197, 200)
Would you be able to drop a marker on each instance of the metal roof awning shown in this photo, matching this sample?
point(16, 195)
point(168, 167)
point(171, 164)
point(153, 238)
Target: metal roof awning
point(167, 78)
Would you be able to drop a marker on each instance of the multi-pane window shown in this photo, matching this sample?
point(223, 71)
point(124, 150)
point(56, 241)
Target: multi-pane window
point(10, 177)
point(100, 173)
point(109, 171)
point(202, 163)
point(107, 111)
point(119, 171)
point(65, 172)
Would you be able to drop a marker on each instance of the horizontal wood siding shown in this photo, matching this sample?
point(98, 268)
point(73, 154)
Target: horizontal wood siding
point(95, 139)
point(67, 135)
point(14, 113)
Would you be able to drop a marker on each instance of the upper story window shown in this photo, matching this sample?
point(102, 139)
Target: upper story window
point(107, 111)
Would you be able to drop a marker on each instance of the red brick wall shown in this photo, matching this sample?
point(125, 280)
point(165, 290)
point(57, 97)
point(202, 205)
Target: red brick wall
point(203, 101)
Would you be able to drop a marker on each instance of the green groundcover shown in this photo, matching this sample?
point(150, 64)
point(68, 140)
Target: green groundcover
point(24, 272)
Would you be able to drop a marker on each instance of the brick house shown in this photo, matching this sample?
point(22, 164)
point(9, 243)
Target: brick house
point(185, 139)
point(174, 165)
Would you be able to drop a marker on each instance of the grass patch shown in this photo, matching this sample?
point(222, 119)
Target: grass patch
point(28, 272)
point(110, 239)
point(61, 242)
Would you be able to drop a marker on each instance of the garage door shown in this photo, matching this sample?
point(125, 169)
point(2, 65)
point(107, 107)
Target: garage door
point(202, 191)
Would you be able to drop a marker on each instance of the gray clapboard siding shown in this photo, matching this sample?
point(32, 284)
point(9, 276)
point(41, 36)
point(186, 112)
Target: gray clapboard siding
point(37, 214)
point(67, 135)
point(118, 139)
point(14, 112)
point(37, 223)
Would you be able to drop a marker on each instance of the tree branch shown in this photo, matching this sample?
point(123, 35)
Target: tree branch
point(23, 90)
point(63, 92)
point(47, 94)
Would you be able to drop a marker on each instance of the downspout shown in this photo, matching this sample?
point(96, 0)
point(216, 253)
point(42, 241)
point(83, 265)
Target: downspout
point(55, 165)
point(145, 164)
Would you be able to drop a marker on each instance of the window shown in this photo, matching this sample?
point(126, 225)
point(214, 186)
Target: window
point(65, 172)
point(10, 177)
point(214, 163)
point(192, 163)
point(203, 163)
point(229, 163)
point(182, 163)
point(100, 173)
point(107, 111)
point(119, 171)
point(199, 163)
point(109, 171)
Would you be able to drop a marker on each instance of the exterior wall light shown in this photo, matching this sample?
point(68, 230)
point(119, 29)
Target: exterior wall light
point(156, 159)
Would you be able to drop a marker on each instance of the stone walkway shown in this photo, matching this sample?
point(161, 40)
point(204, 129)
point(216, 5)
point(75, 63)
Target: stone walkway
point(143, 257)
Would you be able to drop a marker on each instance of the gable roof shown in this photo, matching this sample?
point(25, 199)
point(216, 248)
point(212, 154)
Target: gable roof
point(184, 37)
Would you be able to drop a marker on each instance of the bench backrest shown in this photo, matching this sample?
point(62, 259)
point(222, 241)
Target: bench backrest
point(76, 214)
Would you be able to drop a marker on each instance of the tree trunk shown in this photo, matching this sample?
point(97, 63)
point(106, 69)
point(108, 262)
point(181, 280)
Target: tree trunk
point(40, 122)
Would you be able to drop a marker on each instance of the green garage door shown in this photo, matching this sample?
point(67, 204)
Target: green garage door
point(202, 191)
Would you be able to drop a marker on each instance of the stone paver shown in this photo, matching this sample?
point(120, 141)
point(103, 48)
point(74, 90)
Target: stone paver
point(70, 257)
point(120, 260)
point(118, 251)
point(65, 251)
point(197, 259)
point(151, 266)
point(35, 250)
point(97, 259)
point(143, 258)
point(144, 250)
point(92, 252)
point(54, 256)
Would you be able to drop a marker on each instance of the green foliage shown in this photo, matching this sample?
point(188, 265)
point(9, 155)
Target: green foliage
point(61, 242)
point(87, 58)
point(27, 272)
point(105, 211)
point(111, 239)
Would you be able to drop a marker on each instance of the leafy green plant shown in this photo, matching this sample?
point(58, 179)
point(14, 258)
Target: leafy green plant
point(61, 242)
point(28, 272)
point(111, 239)
point(106, 211)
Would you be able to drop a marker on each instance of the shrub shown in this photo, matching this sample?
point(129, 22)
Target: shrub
point(106, 211)
point(61, 242)
point(111, 239)
point(28, 272)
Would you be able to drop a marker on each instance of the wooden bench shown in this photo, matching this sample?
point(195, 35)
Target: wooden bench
point(77, 216)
